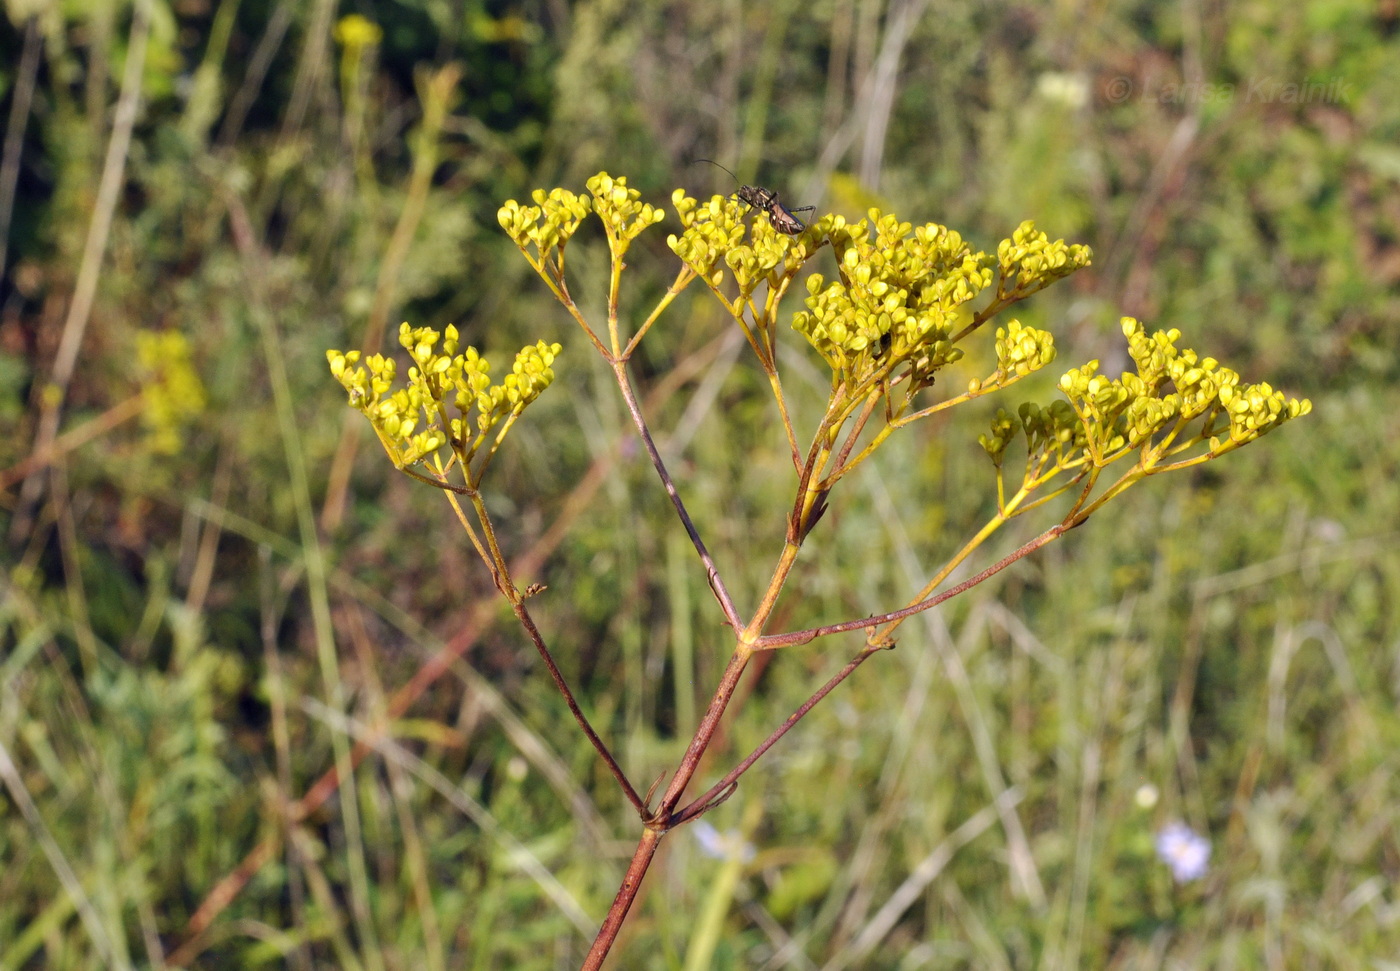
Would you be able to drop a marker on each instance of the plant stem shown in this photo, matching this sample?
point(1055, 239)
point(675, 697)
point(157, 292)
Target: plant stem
point(804, 636)
point(726, 603)
point(617, 913)
point(527, 622)
point(703, 803)
point(661, 820)
point(703, 734)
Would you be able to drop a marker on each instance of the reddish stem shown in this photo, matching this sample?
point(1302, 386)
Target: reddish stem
point(622, 903)
point(770, 641)
point(718, 791)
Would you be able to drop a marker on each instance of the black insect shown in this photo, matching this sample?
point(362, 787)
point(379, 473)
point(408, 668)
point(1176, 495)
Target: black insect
point(779, 215)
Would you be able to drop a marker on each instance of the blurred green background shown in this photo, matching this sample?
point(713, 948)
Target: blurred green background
point(213, 580)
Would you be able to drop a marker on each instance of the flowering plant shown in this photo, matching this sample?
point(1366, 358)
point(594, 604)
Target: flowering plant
point(905, 303)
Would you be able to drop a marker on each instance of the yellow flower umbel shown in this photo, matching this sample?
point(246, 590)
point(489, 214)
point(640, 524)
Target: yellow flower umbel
point(1152, 409)
point(902, 303)
point(1177, 409)
point(449, 400)
point(542, 232)
point(723, 238)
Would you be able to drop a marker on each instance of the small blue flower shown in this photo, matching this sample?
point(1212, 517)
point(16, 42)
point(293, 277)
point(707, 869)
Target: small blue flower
point(722, 846)
point(1180, 848)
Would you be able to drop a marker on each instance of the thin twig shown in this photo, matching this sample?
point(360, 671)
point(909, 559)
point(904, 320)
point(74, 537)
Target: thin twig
point(704, 803)
point(526, 621)
point(726, 603)
point(805, 636)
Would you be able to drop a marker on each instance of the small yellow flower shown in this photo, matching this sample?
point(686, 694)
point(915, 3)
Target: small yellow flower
point(355, 31)
point(414, 422)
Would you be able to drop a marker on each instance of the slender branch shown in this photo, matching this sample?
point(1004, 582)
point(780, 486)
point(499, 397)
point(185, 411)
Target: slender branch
point(500, 570)
point(552, 273)
point(771, 301)
point(614, 286)
point(721, 593)
point(704, 733)
point(839, 468)
point(1129, 479)
point(998, 382)
point(470, 530)
point(786, 559)
point(703, 803)
point(770, 641)
point(752, 331)
point(1003, 299)
point(734, 308)
point(712, 803)
point(477, 475)
point(1091, 477)
point(523, 615)
point(1194, 460)
point(769, 322)
point(684, 278)
point(1050, 496)
point(769, 360)
point(439, 483)
point(777, 386)
point(501, 573)
point(869, 450)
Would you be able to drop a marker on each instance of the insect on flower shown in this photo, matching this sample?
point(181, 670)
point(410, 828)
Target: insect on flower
point(758, 197)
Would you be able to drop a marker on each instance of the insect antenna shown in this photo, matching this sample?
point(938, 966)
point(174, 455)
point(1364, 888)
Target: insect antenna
point(782, 218)
point(718, 166)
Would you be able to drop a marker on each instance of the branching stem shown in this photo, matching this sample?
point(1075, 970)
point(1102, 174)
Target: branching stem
point(721, 593)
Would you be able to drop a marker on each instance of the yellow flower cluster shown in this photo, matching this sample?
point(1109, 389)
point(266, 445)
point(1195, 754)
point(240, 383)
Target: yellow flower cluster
point(413, 422)
point(621, 210)
point(1149, 412)
point(548, 225)
point(714, 234)
point(1172, 386)
point(1053, 434)
point(896, 301)
point(1022, 350)
point(1031, 261)
point(551, 222)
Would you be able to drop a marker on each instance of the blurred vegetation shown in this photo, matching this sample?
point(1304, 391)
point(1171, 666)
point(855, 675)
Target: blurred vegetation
point(214, 584)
